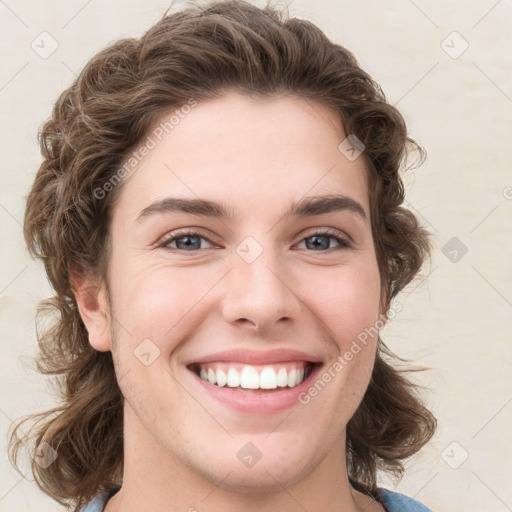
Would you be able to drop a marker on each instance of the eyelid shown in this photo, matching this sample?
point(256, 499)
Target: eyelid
point(346, 240)
point(327, 231)
point(172, 236)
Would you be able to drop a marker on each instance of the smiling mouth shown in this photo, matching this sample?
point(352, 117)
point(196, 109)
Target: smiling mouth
point(254, 378)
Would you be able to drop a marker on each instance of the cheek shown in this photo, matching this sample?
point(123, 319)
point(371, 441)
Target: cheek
point(152, 301)
point(347, 304)
point(346, 300)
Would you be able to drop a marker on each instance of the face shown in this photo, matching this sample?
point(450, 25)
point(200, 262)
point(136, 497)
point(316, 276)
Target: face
point(276, 289)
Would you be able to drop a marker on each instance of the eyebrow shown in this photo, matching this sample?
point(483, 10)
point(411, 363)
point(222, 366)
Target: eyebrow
point(306, 207)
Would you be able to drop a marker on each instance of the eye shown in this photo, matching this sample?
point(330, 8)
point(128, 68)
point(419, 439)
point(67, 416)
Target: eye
point(320, 241)
point(190, 241)
point(185, 241)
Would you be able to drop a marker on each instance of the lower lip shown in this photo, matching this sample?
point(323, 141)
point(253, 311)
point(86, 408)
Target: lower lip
point(261, 403)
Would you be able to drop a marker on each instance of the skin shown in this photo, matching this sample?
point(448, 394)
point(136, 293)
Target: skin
point(256, 156)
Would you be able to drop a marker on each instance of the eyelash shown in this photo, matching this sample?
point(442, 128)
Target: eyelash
point(343, 242)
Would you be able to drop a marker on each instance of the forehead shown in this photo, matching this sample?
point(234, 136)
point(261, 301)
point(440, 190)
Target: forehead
point(246, 152)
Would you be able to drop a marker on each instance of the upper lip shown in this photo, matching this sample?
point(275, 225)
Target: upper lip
point(254, 357)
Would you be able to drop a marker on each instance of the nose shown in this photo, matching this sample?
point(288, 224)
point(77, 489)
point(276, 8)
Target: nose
point(261, 295)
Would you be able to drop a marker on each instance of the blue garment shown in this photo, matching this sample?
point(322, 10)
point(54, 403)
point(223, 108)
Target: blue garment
point(393, 501)
point(396, 502)
point(98, 503)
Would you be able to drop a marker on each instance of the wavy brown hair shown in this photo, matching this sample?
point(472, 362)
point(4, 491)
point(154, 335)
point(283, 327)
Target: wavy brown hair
point(97, 122)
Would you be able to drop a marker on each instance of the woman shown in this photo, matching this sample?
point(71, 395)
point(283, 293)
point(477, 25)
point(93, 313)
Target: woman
point(219, 212)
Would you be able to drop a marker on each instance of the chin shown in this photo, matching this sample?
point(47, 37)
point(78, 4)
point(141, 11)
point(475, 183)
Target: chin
point(258, 463)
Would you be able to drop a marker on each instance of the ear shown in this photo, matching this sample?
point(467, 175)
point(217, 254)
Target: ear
point(91, 297)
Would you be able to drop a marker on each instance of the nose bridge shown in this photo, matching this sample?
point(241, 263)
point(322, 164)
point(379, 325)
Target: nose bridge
point(260, 290)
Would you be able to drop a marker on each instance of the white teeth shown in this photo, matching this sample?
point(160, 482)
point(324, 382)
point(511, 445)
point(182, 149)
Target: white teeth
point(292, 378)
point(211, 376)
point(282, 378)
point(249, 378)
point(268, 378)
point(221, 378)
point(233, 378)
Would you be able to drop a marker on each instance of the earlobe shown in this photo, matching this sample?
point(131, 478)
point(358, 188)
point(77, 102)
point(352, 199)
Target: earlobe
point(91, 298)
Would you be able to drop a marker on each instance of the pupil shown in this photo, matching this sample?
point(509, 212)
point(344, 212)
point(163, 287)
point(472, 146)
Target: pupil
point(188, 244)
point(324, 242)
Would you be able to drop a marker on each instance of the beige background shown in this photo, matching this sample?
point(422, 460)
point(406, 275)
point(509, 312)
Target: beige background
point(456, 317)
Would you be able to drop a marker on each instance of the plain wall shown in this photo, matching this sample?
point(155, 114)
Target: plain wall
point(456, 317)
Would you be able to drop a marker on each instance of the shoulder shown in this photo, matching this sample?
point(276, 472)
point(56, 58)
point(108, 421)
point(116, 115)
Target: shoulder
point(98, 503)
point(396, 502)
